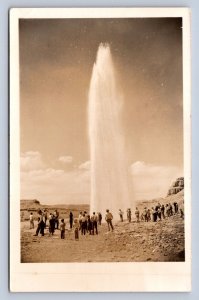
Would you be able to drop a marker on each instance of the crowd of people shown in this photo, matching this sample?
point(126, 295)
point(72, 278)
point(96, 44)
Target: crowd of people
point(158, 212)
point(42, 218)
point(84, 223)
point(88, 223)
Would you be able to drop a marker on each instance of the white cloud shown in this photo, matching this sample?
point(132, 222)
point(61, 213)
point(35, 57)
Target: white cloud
point(85, 166)
point(31, 160)
point(66, 159)
point(50, 185)
point(152, 181)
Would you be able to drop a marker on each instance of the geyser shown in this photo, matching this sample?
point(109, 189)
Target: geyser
point(109, 171)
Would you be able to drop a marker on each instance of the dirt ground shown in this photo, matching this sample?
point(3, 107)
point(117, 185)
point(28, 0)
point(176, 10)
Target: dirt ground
point(136, 242)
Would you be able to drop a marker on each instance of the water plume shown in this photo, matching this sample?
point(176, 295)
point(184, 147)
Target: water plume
point(109, 171)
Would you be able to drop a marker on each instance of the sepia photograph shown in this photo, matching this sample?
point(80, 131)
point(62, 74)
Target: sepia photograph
point(102, 173)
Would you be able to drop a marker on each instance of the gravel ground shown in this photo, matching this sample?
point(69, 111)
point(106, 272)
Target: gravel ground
point(129, 242)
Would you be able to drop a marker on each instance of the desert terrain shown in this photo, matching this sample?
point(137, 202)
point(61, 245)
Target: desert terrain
point(129, 242)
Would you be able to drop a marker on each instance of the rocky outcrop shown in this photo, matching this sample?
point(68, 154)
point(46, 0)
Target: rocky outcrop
point(177, 186)
point(29, 204)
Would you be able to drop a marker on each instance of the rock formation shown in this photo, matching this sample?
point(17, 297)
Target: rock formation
point(177, 186)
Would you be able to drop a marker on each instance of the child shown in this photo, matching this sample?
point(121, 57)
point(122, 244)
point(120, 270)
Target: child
point(62, 228)
point(76, 226)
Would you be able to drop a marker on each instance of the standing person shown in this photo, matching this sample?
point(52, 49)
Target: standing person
point(167, 210)
point(51, 224)
point(31, 221)
point(80, 220)
point(171, 209)
point(137, 215)
point(175, 204)
point(45, 216)
point(92, 226)
point(121, 215)
point(153, 211)
point(159, 213)
point(176, 207)
point(129, 215)
point(142, 217)
point(145, 214)
point(182, 213)
point(95, 223)
point(38, 230)
point(83, 225)
point(109, 218)
point(56, 215)
point(100, 218)
point(156, 210)
point(62, 228)
point(148, 215)
point(89, 224)
point(86, 220)
point(76, 227)
point(162, 211)
point(71, 219)
point(41, 224)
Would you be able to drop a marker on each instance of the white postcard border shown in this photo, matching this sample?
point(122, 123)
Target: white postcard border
point(97, 277)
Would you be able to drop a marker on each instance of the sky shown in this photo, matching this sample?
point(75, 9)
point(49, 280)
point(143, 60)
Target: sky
point(56, 61)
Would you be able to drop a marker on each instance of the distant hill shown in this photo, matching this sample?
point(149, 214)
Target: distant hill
point(28, 206)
